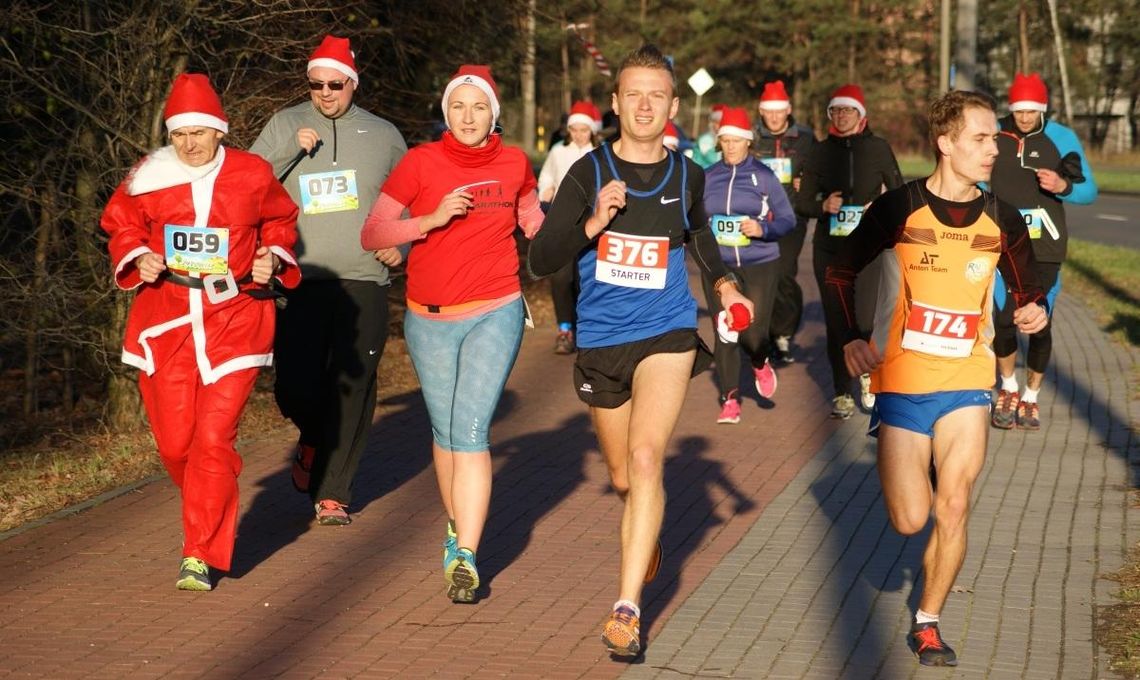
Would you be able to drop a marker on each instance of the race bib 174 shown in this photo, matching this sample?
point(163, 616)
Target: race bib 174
point(940, 332)
point(205, 250)
point(632, 261)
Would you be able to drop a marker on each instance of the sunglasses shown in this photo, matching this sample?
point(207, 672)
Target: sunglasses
point(334, 85)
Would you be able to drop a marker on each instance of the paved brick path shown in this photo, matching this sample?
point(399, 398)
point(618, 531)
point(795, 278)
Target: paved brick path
point(779, 561)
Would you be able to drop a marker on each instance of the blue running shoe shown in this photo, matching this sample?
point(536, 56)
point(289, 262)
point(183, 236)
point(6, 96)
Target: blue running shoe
point(462, 576)
point(450, 544)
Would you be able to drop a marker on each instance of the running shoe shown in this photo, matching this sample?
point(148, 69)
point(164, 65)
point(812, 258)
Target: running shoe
point(654, 563)
point(193, 575)
point(1028, 415)
point(783, 353)
point(332, 513)
point(564, 343)
point(1004, 415)
point(765, 379)
point(462, 576)
point(450, 544)
point(302, 466)
point(927, 644)
point(866, 396)
point(729, 413)
point(842, 406)
point(622, 632)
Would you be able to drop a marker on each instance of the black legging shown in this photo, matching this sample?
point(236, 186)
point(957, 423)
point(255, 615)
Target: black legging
point(789, 306)
point(1041, 342)
point(866, 296)
point(564, 293)
point(759, 281)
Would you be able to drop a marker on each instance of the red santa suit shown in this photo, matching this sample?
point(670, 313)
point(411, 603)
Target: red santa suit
point(198, 348)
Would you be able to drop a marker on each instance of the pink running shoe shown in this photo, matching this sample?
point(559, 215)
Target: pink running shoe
point(729, 413)
point(765, 380)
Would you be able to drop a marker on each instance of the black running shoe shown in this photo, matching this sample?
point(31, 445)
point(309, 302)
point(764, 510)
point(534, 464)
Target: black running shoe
point(927, 644)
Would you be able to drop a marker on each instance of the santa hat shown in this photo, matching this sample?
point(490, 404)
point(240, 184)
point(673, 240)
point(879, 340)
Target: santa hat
point(849, 95)
point(774, 97)
point(336, 54)
point(585, 113)
point(672, 138)
point(1028, 93)
point(478, 75)
point(193, 101)
point(735, 122)
point(717, 112)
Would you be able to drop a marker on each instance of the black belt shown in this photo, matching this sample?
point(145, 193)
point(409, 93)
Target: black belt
point(200, 284)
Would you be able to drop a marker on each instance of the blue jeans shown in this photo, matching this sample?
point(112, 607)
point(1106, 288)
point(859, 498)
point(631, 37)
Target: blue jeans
point(463, 367)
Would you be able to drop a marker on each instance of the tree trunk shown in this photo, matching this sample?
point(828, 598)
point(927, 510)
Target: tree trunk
point(1023, 37)
point(526, 75)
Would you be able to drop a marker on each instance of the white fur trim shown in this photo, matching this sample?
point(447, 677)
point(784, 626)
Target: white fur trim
point(127, 259)
point(161, 169)
point(583, 119)
point(849, 101)
point(1027, 105)
point(775, 105)
point(335, 65)
point(670, 140)
point(734, 131)
point(192, 118)
point(145, 363)
point(478, 82)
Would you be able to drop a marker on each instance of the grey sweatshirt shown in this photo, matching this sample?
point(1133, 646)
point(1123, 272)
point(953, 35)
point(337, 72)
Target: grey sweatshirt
point(356, 153)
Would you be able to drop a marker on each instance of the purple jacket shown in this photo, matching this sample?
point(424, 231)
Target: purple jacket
point(749, 189)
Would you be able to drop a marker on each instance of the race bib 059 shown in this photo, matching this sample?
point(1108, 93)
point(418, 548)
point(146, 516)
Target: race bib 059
point(205, 250)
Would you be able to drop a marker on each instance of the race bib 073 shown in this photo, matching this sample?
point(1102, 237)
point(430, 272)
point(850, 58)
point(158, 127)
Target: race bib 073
point(326, 192)
point(205, 250)
point(940, 332)
point(632, 261)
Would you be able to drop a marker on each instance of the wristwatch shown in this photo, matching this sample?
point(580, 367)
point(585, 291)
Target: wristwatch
point(728, 278)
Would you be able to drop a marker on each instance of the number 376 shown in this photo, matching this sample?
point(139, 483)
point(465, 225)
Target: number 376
point(633, 252)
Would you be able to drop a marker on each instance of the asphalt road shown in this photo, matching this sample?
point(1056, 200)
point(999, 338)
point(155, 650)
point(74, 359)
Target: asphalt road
point(1113, 219)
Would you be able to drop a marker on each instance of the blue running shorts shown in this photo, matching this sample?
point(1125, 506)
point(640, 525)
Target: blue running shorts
point(919, 412)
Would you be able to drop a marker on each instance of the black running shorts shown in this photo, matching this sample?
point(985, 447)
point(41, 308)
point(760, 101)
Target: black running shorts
point(603, 376)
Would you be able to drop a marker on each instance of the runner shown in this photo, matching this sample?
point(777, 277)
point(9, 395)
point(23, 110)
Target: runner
point(842, 175)
point(749, 212)
point(1040, 167)
point(583, 123)
point(198, 229)
point(930, 358)
point(466, 194)
point(784, 145)
point(706, 151)
point(624, 213)
point(332, 332)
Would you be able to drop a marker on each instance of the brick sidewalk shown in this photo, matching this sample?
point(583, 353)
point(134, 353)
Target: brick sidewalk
point(763, 573)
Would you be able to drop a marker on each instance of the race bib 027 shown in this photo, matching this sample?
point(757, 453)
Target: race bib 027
point(1038, 220)
point(205, 250)
point(632, 261)
point(844, 222)
point(326, 192)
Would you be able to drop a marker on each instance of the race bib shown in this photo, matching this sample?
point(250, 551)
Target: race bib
point(632, 261)
point(326, 192)
point(205, 250)
point(781, 166)
point(845, 221)
point(940, 332)
point(1036, 220)
point(729, 230)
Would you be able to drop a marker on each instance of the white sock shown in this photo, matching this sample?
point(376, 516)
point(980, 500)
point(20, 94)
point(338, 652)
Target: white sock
point(925, 617)
point(627, 603)
point(1009, 384)
point(1030, 396)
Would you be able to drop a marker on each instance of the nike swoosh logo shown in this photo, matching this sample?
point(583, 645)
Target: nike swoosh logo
point(361, 131)
point(667, 201)
point(371, 352)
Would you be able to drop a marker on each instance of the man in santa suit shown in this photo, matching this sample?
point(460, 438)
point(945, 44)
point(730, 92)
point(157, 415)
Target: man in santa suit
point(199, 230)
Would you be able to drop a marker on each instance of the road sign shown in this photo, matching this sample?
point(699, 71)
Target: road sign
point(701, 81)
